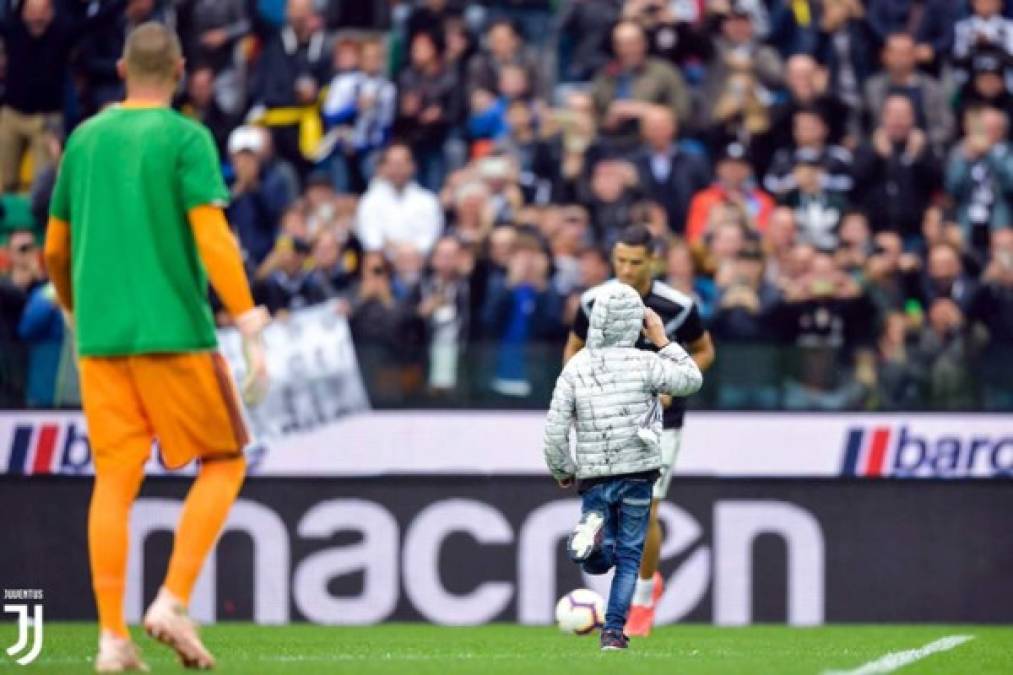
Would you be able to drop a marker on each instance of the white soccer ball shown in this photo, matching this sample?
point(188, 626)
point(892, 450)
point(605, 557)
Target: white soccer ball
point(580, 612)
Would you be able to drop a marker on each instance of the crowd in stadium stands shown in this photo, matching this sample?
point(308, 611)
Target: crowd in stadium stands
point(831, 180)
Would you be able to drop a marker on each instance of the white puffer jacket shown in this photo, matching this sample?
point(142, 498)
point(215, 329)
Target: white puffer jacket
point(610, 390)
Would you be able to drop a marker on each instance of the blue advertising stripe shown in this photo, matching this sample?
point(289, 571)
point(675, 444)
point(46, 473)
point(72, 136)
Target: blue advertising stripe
point(852, 451)
point(19, 450)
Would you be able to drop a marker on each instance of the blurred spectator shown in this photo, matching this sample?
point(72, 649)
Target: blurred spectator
point(681, 274)
point(739, 114)
point(743, 321)
point(100, 50)
point(256, 206)
point(396, 209)
point(625, 88)
point(359, 108)
point(428, 104)
point(754, 10)
point(890, 275)
point(524, 316)
point(443, 304)
point(611, 196)
point(846, 47)
point(897, 172)
point(737, 50)
point(200, 102)
point(37, 41)
point(537, 159)
point(809, 140)
point(944, 349)
point(336, 259)
point(827, 320)
point(817, 210)
point(928, 22)
point(430, 16)
point(214, 28)
point(986, 86)
point(899, 375)
point(734, 185)
point(23, 275)
point(387, 335)
point(585, 26)
point(854, 243)
point(572, 132)
point(901, 77)
point(985, 29)
point(286, 81)
point(979, 177)
point(795, 27)
point(288, 284)
point(809, 88)
point(993, 308)
point(503, 47)
point(944, 277)
point(672, 33)
point(52, 372)
point(779, 241)
point(668, 174)
point(745, 299)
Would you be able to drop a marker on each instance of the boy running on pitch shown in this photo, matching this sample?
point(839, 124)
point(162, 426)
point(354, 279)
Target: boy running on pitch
point(610, 391)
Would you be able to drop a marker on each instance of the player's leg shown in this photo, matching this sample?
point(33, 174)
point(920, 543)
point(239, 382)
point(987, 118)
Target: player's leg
point(120, 438)
point(632, 498)
point(649, 582)
point(195, 410)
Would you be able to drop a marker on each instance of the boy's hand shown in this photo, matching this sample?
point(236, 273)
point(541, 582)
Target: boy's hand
point(565, 482)
point(654, 329)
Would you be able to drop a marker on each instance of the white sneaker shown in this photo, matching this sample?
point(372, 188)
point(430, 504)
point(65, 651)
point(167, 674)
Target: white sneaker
point(118, 655)
point(586, 536)
point(168, 622)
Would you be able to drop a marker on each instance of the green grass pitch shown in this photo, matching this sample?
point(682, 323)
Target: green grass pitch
point(419, 649)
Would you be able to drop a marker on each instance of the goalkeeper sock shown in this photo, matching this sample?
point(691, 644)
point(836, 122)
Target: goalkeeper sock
point(204, 513)
point(643, 591)
point(108, 516)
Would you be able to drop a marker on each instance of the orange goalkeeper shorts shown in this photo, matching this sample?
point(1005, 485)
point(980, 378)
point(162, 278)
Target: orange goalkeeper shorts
point(187, 401)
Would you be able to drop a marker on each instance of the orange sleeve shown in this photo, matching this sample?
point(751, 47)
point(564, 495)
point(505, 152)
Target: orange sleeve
point(57, 256)
point(219, 250)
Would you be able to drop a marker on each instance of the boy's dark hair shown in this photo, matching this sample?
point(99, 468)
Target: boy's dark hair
point(637, 235)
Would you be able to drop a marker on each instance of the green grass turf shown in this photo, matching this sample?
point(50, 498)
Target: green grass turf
point(404, 649)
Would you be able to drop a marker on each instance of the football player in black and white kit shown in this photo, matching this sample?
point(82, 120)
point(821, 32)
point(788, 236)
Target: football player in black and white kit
point(632, 264)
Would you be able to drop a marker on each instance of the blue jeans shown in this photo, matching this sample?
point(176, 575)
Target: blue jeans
point(626, 505)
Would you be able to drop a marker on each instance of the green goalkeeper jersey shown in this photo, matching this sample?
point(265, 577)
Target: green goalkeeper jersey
point(128, 178)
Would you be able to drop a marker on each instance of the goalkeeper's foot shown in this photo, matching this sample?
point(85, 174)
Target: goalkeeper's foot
point(118, 655)
point(168, 622)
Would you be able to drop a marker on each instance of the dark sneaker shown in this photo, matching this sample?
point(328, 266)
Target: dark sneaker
point(613, 640)
point(586, 537)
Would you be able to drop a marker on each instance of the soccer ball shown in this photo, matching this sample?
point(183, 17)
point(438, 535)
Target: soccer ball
point(580, 612)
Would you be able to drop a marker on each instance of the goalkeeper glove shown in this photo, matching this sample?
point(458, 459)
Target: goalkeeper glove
point(251, 324)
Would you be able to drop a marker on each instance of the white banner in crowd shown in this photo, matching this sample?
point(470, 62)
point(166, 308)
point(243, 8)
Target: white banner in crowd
point(315, 378)
point(485, 443)
point(315, 381)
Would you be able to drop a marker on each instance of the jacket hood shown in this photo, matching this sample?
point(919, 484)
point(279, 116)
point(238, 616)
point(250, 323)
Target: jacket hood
point(617, 317)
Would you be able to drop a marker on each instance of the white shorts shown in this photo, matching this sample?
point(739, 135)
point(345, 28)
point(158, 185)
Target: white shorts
point(670, 441)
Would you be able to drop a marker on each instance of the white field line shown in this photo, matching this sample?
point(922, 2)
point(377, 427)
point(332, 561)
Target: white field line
point(896, 660)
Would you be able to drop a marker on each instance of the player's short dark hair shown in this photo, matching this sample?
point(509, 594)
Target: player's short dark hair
point(637, 235)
